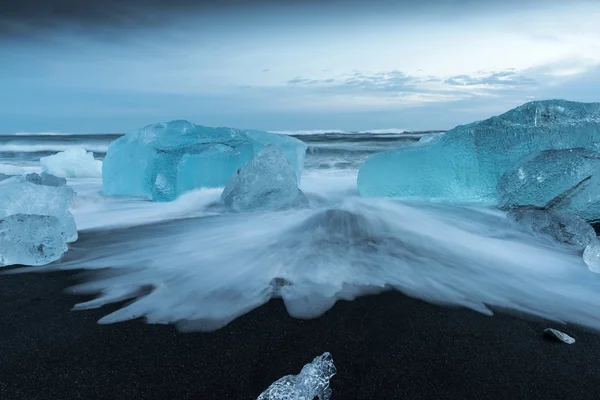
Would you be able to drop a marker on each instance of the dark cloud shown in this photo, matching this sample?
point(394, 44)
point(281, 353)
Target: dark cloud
point(27, 17)
point(22, 18)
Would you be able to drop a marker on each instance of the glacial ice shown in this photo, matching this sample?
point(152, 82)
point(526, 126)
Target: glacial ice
point(591, 255)
point(163, 160)
point(268, 182)
point(312, 382)
point(30, 239)
point(44, 195)
point(557, 226)
point(72, 163)
point(566, 180)
point(465, 164)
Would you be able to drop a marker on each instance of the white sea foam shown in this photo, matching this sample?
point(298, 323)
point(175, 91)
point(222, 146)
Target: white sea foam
point(51, 147)
point(207, 271)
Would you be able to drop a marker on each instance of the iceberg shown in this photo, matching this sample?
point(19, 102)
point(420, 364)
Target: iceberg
point(72, 163)
point(30, 240)
point(311, 383)
point(43, 195)
point(268, 182)
point(568, 230)
point(566, 180)
point(465, 164)
point(163, 160)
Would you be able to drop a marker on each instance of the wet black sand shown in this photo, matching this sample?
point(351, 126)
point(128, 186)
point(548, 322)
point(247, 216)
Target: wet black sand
point(385, 347)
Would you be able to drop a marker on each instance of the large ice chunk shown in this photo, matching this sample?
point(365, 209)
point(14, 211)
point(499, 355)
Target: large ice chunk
point(43, 195)
point(30, 239)
point(567, 180)
point(268, 182)
point(464, 165)
point(311, 383)
point(557, 226)
point(72, 163)
point(163, 160)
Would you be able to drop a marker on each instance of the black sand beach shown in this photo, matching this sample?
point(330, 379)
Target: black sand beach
point(385, 347)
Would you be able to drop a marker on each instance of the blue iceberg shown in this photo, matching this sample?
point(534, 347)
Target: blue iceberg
point(565, 180)
point(268, 182)
point(163, 160)
point(465, 164)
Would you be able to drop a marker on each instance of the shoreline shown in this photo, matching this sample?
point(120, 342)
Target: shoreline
point(386, 346)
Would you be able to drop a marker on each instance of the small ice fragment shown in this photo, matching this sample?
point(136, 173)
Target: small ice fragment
point(312, 382)
point(558, 335)
point(591, 255)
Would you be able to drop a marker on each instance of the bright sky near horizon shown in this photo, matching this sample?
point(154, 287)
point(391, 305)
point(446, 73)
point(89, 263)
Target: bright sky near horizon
point(346, 65)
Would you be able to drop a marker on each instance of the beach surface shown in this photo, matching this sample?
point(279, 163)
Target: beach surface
point(385, 346)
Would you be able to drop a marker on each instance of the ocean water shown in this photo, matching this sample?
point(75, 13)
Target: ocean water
point(192, 263)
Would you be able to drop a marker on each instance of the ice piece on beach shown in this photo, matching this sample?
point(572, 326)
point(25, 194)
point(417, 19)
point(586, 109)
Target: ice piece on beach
point(591, 255)
point(566, 180)
point(268, 182)
point(464, 165)
point(312, 382)
point(44, 195)
point(163, 160)
point(557, 226)
point(30, 240)
point(72, 163)
point(558, 335)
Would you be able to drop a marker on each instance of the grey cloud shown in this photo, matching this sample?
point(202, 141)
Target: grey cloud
point(508, 78)
point(398, 83)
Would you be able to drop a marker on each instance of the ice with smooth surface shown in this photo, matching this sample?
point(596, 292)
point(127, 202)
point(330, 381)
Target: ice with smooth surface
point(591, 255)
point(44, 195)
point(164, 160)
point(465, 164)
point(30, 240)
point(558, 335)
point(312, 382)
point(566, 180)
point(268, 182)
point(557, 226)
point(72, 163)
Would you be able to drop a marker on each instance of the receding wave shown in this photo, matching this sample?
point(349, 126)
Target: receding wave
point(201, 273)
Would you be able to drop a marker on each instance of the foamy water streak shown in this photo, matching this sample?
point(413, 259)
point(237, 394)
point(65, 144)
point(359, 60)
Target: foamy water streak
point(207, 271)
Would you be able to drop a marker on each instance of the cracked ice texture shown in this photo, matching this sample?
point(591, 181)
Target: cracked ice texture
point(164, 160)
point(565, 229)
point(465, 164)
point(30, 240)
point(35, 221)
point(312, 382)
point(566, 180)
point(268, 182)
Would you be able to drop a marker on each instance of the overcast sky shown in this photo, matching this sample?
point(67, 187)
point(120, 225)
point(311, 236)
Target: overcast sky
point(113, 66)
